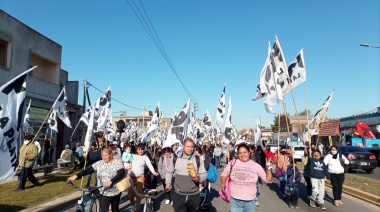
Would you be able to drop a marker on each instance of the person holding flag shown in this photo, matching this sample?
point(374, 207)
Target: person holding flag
point(27, 157)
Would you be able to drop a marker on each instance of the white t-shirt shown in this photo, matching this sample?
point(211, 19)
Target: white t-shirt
point(333, 165)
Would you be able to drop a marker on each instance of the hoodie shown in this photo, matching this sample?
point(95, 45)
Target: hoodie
point(316, 169)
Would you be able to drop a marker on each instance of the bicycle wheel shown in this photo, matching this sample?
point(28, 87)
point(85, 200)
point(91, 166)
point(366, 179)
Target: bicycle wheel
point(91, 205)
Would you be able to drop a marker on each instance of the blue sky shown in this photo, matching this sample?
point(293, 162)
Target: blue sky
point(212, 43)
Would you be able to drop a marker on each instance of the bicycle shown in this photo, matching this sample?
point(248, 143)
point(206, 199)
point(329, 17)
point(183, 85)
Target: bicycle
point(87, 203)
point(149, 195)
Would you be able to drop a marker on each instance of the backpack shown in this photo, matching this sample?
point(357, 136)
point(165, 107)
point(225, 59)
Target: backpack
point(212, 174)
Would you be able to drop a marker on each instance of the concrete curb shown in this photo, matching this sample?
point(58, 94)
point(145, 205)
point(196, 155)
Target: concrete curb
point(365, 196)
point(56, 204)
point(370, 198)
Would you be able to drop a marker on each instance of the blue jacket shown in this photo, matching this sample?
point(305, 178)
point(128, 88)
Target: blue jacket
point(290, 173)
point(316, 169)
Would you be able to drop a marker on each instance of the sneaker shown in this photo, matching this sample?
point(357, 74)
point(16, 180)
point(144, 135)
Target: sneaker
point(171, 204)
point(257, 203)
point(308, 197)
point(312, 203)
point(283, 195)
point(291, 205)
point(133, 208)
point(19, 189)
point(296, 206)
point(167, 202)
point(322, 206)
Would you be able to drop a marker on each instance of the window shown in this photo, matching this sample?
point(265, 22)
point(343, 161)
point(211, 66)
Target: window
point(5, 53)
point(46, 70)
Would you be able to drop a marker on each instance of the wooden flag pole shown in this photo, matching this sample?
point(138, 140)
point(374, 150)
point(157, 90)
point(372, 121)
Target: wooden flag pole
point(23, 158)
point(307, 117)
point(75, 128)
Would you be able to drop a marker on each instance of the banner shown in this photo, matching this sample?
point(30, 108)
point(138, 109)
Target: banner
point(12, 96)
point(319, 116)
point(25, 124)
point(297, 71)
point(228, 130)
point(180, 124)
point(220, 109)
point(59, 110)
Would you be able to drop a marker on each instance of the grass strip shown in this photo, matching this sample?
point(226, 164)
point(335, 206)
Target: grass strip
point(53, 186)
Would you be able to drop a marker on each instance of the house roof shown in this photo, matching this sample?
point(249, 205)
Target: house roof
point(330, 128)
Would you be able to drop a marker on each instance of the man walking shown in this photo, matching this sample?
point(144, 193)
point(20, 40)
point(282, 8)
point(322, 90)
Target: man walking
point(28, 154)
point(189, 171)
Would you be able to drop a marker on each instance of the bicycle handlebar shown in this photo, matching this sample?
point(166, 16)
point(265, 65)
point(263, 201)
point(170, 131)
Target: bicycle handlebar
point(149, 196)
point(91, 189)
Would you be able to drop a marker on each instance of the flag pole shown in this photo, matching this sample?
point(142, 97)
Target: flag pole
point(278, 135)
point(75, 129)
point(307, 116)
point(19, 163)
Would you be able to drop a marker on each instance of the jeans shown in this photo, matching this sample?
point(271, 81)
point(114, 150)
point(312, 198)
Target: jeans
point(26, 173)
point(337, 184)
point(139, 184)
point(282, 183)
point(308, 186)
point(217, 162)
point(242, 206)
point(167, 193)
point(105, 202)
point(89, 180)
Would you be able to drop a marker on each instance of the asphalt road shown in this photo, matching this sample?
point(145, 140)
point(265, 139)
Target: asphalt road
point(269, 201)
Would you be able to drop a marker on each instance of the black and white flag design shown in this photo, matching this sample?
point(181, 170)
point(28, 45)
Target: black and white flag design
point(279, 65)
point(85, 118)
point(25, 124)
point(268, 89)
point(59, 110)
point(206, 123)
point(101, 109)
point(228, 130)
point(220, 109)
point(319, 116)
point(155, 123)
point(180, 124)
point(12, 96)
point(297, 71)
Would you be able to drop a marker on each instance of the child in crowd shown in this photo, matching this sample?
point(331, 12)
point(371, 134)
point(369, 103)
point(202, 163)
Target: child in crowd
point(293, 178)
point(127, 157)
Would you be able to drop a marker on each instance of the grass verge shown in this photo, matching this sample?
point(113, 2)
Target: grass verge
point(53, 186)
point(356, 181)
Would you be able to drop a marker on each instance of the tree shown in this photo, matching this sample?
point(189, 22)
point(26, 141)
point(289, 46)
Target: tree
point(304, 113)
point(275, 124)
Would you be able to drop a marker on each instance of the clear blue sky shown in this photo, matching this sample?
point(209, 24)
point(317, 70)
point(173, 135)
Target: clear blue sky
point(212, 43)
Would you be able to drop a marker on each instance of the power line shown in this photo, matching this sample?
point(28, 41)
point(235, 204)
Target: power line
point(89, 84)
point(156, 40)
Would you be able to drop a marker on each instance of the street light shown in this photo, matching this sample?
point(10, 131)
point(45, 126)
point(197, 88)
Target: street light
point(367, 45)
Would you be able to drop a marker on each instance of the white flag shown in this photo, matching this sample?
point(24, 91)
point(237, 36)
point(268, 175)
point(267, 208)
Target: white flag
point(101, 109)
point(25, 124)
point(268, 89)
point(180, 124)
point(228, 130)
point(59, 110)
point(12, 96)
point(279, 65)
point(258, 138)
point(206, 123)
point(220, 109)
point(155, 123)
point(297, 71)
point(319, 116)
point(86, 116)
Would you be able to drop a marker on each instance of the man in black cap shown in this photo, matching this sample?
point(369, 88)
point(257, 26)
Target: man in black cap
point(28, 154)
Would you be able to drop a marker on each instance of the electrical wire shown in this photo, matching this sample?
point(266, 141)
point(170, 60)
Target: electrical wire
point(157, 41)
point(89, 84)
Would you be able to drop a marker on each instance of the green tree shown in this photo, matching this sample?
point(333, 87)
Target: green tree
point(275, 124)
point(304, 113)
